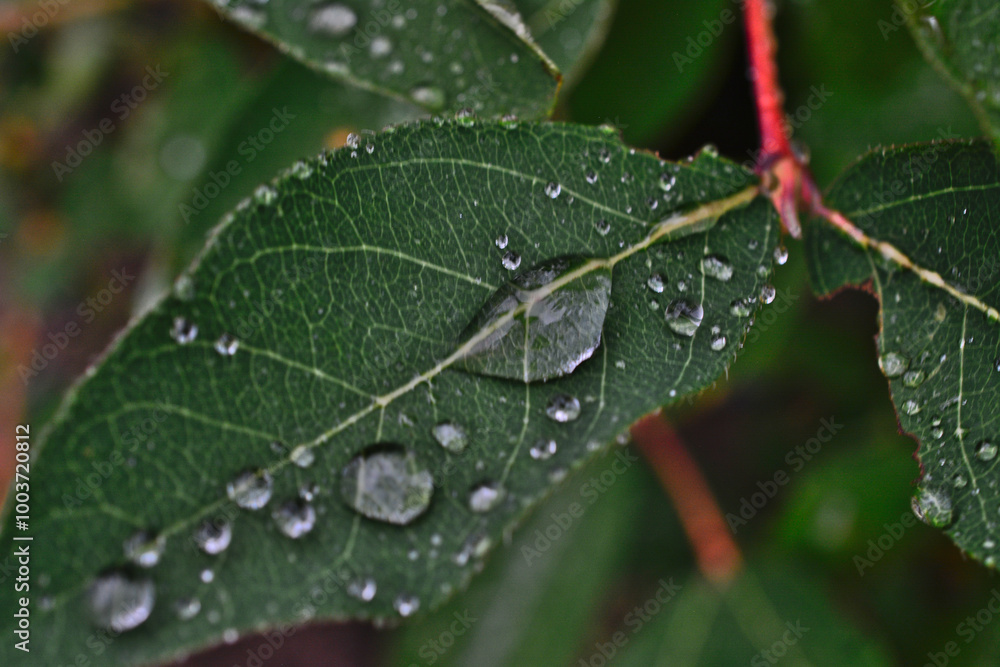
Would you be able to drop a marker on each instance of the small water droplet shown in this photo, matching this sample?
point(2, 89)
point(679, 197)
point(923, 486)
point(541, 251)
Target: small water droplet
point(352, 140)
point(667, 182)
point(718, 342)
point(386, 483)
point(501, 241)
point(428, 96)
point(334, 20)
point(781, 255)
point(302, 456)
point(602, 227)
point(959, 481)
point(301, 170)
point(406, 605)
point(933, 507)
point(718, 267)
point(544, 449)
point(265, 195)
point(511, 260)
point(451, 436)
point(227, 345)
point(552, 190)
point(894, 364)
point(913, 378)
point(767, 293)
point(207, 576)
point(591, 177)
point(295, 518)
point(187, 608)
point(183, 331)
point(656, 283)
point(710, 150)
point(563, 408)
point(911, 407)
point(485, 496)
point(684, 317)
point(213, 537)
point(362, 589)
point(144, 549)
point(251, 489)
point(986, 451)
point(937, 432)
point(120, 603)
point(741, 307)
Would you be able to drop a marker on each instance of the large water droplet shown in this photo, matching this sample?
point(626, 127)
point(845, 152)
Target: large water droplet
point(563, 408)
point(213, 537)
point(362, 589)
point(451, 436)
point(986, 451)
point(485, 496)
point(544, 449)
point(767, 293)
point(295, 518)
point(334, 20)
point(183, 331)
point(251, 489)
point(684, 317)
point(120, 603)
point(718, 267)
point(933, 507)
point(893, 364)
point(557, 318)
point(144, 549)
point(386, 483)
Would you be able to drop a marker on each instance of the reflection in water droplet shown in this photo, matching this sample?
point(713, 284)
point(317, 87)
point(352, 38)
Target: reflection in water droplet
point(362, 589)
point(120, 603)
point(251, 489)
point(560, 324)
point(406, 605)
point(386, 483)
point(718, 267)
point(450, 436)
point(227, 345)
point(544, 449)
point(656, 283)
point(334, 20)
point(563, 408)
point(143, 549)
point(986, 451)
point(485, 496)
point(295, 518)
point(183, 331)
point(302, 456)
point(553, 190)
point(933, 507)
point(187, 608)
point(213, 537)
point(511, 260)
point(684, 317)
point(893, 364)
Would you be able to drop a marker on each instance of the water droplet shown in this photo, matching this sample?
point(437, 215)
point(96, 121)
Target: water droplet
point(207, 576)
point(295, 518)
point(718, 267)
point(741, 307)
point(553, 190)
point(710, 150)
point(501, 241)
point(591, 177)
point(767, 293)
point(996, 364)
point(959, 481)
point(933, 507)
point(144, 549)
point(684, 317)
point(602, 227)
point(213, 537)
point(428, 96)
point(386, 483)
point(560, 324)
point(183, 331)
point(334, 20)
point(187, 608)
point(913, 378)
point(544, 449)
point(381, 46)
point(563, 408)
point(937, 432)
point(485, 496)
point(781, 255)
point(450, 436)
point(301, 170)
point(227, 345)
point(352, 140)
point(406, 605)
point(718, 342)
point(120, 603)
point(656, 283)
point(362, 589)
point(511, 260)
point(911, 407)
point(302, 456)
point(894, 364)
point(986, 451)
point(667, 182)
point(184, 288)
point(265, 195)
point(251, 489)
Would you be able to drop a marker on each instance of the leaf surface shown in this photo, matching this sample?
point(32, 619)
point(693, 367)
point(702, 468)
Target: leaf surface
point(931, 214)
point(304, 379)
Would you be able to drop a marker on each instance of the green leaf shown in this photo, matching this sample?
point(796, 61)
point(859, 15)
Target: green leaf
point(442, 56)
point(568, 32)
point(932, 257)
point(326, 320)
point(960, 38)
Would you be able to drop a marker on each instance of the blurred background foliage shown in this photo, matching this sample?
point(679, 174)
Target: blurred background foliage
point(123, 208)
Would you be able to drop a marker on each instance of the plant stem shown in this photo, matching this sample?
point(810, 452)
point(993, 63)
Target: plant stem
point(718, 557)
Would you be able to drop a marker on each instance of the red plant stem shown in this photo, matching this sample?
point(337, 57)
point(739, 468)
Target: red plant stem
point(717, 555)
point(761, 48)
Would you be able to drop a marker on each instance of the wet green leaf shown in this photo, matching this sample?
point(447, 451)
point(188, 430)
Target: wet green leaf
point(932, 207)
point(218, 440)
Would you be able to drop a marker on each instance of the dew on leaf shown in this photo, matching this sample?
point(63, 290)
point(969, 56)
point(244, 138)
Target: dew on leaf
point(780, 255)
point(559, 324)
point(302, 456)
point(553, 189)
point(387, 483)
point(451, 436)
point(893, 364)
point(511, 260)
point(295, 518)
point(959, 481)
point(591, 177)
point(656, 283)
point(334, 20)
point(406, 605)
point(911, 407)
point(913, 378)
point(187, 608)
point(183, 331)
point(602, 227)
point(767, 293)
point(741, 307)
point(563, 408)
point(227, 345)
point(501, 241)
point(718, 342)
point(986, 451)
point(933, 507)
point(718, 267)
point(485, 496)
point(684, 317)
point(207, 576)
point(428, 96)
point(251, 489)
point(543, 450)
point(213, 537)
point(144, 549)
point(118, 602)
point(362, 589)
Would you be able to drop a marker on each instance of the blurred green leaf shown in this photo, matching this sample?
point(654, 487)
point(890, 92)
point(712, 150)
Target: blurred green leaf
point(568, 31)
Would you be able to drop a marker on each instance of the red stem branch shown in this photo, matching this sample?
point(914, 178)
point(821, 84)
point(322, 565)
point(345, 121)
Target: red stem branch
point(761, 48)
point(717, 555)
